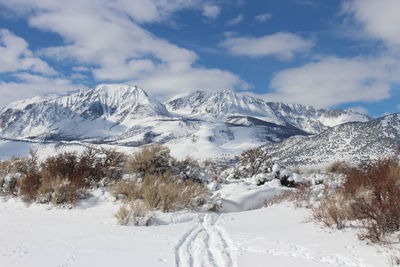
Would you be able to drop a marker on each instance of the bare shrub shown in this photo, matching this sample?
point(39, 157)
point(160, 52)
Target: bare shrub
point(66, 177)
point(66, 165)
point(337, 167)
point(153, 159)
point(123, 215)
point(376, 189)
point(370, 194)
point(332, 212)
point(29, 185)
point(285, 196)
point(127, 191)
point(135, 213)
point(168, 194)
point(59, 191)
point(162, 192)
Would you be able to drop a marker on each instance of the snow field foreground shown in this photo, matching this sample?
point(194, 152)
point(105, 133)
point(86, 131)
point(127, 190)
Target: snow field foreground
point(89, 236)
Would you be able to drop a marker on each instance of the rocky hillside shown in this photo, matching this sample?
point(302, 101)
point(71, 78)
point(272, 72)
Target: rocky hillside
point(353, 142)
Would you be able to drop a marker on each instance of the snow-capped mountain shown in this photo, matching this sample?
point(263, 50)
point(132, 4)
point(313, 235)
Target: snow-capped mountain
point(224, 104)
point(353, 142)
point(101, 112)
point(199, 124)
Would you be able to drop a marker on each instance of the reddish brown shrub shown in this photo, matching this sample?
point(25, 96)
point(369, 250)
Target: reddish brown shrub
point(371, 195)
point(153, 159)
point(65, 178)
point(29, 186)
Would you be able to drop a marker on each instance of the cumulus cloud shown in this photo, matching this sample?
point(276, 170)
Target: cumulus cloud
point(16, 56)
point(282, 45)
point(107, 38)
point(191, 79)
point(236, 20)
point(211, 11)
point(379, 19)
point(263, 17)
point(30, 85)
point(332, 80)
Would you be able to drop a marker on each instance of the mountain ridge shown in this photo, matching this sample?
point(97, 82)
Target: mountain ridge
point(352, 142)
point(203, 124)
point(222, 104)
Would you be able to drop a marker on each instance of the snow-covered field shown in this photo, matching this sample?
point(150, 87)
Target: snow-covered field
point(90, 236)
point(244, 233)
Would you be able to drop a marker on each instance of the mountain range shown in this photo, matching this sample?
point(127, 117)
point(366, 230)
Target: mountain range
point(201, 124)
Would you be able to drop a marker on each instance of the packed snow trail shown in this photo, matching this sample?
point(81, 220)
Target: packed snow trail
point(205, 245)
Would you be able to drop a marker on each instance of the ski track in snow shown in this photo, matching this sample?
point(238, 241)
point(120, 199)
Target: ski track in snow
point(205, 245)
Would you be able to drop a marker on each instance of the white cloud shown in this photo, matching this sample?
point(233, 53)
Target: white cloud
point(236, 20)
point(106, 37)
point(16, 56)
point(331, 81)
point(190, 79)
point(282, 45)
point(263, 17)
point(211, 11)
point(379, 19)
point(29, 85)
point(80, 69)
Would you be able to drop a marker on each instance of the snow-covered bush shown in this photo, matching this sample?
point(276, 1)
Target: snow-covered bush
point(59, 191)
point(261, 171)
point(251, 162)
point(10, 172)
point(135, 213)
point(189, 168)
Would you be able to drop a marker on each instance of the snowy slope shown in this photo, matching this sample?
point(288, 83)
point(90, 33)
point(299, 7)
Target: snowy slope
point(353, 142)
point(224, 104)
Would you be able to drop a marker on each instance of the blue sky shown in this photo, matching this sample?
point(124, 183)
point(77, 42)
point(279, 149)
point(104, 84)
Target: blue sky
point(336, 54)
